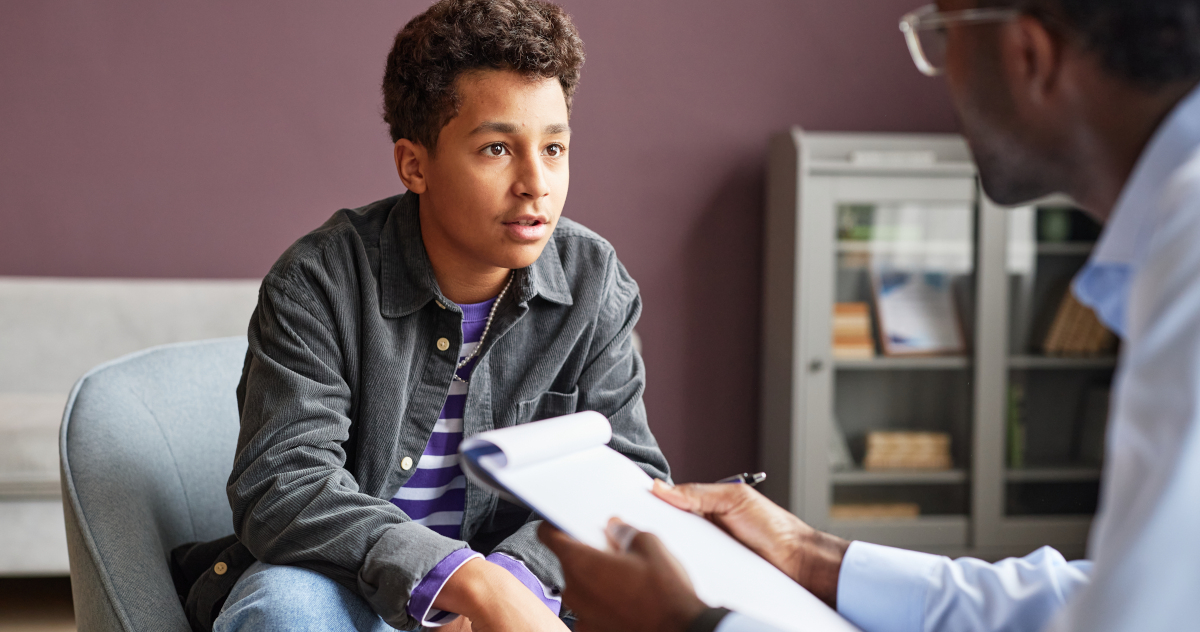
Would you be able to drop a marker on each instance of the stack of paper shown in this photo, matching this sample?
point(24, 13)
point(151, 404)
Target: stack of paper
point(852, 337)
point(874, 511)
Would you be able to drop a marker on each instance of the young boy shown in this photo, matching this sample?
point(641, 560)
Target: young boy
point(392, 331)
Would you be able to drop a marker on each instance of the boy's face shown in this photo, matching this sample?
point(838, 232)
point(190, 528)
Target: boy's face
point(493, 192)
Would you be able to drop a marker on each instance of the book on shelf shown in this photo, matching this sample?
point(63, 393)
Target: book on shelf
point(874, 511)
point(1076, 331)
point(908, 451)
point(917, 313)
point(852, 337)
point(1016, 426)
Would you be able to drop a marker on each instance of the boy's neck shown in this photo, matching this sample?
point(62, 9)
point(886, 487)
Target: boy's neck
point(461, 279)
point(468, 289)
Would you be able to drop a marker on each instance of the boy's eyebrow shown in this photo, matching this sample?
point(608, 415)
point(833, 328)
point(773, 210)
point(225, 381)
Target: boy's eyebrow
point(497, 127)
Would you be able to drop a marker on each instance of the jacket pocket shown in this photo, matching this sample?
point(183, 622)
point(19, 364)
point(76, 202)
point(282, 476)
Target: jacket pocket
point(547, 405)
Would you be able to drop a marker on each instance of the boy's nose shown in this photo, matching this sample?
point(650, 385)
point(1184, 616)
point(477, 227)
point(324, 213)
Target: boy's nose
point(531, 182)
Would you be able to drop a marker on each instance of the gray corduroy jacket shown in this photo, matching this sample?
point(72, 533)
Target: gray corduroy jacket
point(344, 379)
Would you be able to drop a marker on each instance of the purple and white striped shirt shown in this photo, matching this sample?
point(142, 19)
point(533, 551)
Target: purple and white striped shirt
point(435, 495)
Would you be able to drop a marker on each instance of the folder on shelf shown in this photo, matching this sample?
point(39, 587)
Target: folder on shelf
point(563, 469)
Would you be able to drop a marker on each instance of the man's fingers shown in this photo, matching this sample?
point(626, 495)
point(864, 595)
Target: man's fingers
point(646, 545)
point(560, 543)
point(710, 499)
point(619, 534)
point(569, 551)
point(672, 495)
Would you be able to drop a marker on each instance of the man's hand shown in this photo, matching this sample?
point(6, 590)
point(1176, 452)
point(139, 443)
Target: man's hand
point(640, 589)
point(490, 599)
point(810, 557)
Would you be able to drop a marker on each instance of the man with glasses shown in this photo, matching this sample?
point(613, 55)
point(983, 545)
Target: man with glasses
point(1097, 99)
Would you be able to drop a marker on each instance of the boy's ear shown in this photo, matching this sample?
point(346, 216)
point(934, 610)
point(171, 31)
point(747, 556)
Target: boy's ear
point(411, 161)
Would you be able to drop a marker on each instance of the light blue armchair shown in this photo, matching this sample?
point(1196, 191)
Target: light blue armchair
point(147, 444)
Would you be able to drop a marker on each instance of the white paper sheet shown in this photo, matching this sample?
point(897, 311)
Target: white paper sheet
point(579, 489)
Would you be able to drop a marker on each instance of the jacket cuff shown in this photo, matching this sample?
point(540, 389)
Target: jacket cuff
point(420, 607)
point(396, 564)
point(548, 594)
point(524, 547)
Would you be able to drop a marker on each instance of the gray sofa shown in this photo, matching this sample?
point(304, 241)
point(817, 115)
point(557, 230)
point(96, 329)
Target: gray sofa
point(147, 443)
point(52, 330)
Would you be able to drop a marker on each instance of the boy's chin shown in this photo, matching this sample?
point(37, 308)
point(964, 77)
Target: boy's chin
point(517, 257)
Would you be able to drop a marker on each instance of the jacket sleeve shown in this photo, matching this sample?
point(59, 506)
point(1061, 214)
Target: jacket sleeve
point(293, 500)
point(611, 383)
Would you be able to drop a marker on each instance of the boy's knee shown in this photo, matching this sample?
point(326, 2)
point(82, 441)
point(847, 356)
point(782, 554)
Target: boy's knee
point(270, 597)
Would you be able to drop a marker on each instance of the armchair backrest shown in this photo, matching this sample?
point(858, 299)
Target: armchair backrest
point(146, 446)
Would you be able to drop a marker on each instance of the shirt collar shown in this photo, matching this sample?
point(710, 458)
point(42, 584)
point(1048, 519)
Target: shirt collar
point(406, 276)
point(1127, 234)
point(1104, 282)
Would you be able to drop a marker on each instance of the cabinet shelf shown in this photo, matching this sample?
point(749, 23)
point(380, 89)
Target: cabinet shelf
point(1069, 248)
point(920, 532)
point(895, 477)
point(1055, 362)
point(947, 363)
point(1053, 475)
point(852, 246)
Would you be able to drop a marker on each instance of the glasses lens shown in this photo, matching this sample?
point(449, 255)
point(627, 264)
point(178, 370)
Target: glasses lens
point(933, 46)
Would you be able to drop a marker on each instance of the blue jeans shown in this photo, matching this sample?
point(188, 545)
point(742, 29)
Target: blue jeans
point(268, 598)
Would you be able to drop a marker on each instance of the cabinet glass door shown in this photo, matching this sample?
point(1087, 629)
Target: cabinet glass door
point(903, 309)
point(1060, 368)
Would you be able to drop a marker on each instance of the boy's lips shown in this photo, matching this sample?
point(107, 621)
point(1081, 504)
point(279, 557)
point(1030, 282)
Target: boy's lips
point(527, 228)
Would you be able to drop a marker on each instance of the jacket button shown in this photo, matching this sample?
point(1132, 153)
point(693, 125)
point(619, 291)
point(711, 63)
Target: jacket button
point(220, 568)
point(443, 344)
point(406, 464)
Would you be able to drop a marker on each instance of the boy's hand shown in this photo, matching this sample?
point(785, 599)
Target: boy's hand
point(812, 558)
point(639, 589)
point(494, 601)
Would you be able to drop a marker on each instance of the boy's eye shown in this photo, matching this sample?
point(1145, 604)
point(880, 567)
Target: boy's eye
point(555, 150)
point(495, 149)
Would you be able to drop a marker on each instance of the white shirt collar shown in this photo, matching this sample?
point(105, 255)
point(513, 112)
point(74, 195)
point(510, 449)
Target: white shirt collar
point(1126, 236)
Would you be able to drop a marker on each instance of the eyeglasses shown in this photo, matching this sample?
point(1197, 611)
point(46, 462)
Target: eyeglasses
point(925, 32)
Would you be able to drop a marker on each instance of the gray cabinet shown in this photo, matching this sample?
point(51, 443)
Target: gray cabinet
point(998, 498)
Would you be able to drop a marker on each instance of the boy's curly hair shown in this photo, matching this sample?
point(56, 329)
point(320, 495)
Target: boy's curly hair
point(532, 37)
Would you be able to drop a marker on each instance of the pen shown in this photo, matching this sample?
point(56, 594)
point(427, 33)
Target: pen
point(749, 479)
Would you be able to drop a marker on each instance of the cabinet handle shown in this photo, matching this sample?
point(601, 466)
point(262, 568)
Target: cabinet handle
point(815, 365)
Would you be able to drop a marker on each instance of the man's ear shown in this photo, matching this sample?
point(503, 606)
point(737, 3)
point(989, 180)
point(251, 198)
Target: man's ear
point(1034, 58)
point(412, 159)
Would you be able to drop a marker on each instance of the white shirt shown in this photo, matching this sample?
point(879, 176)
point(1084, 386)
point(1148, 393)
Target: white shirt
point(1144, 281)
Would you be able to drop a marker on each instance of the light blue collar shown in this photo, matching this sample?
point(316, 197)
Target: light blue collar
point(1104, 282)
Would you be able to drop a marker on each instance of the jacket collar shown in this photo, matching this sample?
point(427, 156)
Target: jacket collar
point(407, 282)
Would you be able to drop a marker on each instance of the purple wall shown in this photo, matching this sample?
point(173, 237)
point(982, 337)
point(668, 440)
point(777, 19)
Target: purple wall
point(199, 139)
